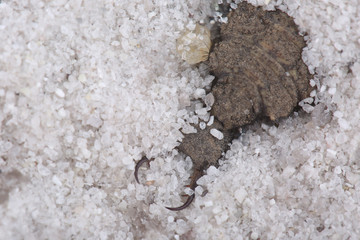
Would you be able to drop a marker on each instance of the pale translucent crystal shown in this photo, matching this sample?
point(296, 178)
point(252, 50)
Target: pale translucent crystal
point(194, 46)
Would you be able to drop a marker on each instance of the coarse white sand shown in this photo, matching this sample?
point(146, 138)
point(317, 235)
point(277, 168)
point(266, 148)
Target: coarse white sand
point(89, 87)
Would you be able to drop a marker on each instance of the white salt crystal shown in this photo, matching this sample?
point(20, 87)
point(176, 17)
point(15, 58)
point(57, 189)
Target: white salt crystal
point(94, 121)
point(202, 125)
point(313, 93)
point(59, 2)
point(209, 99)
point(264, 126)
point(152, 14)
point(5, 146)
point(272, 130)
point(240, 195)
point(353, 178)
point(60, 200)
point(307, 100)
point(104, 235)
point(308, 108)
point(194, 119)
point(288, 171)
point(216, 133)
point(343, 124)
point(312, 83)
point(60, 93)
point(212, 171)
point(191, 26)
point(81, 142)
point(205, 117)
point(217, 209)
point(267, 2)
point(255, 235)
point(332, 91)
point(199, 190)
point(69, 138)
point(10, 98)
point(82, 165)
point(44, 171)
point(341, 138)
point(66, 31)
point(125, 30)
point(300, 177)
point(337, 170)
point(305, 104)
point(198, 220)
point(222, 218)
point(56, 180)
point(188, 129)
point(146, 142)
point(223, 19)
point(170, 219)
point(82, 78)
point(187, 191)
point(323, 187)
point(211, 121)
point(35, 121)
point(208, 203)
point(198, 106)
point(115, 43)
point(26, 91)
point(127, 160)
point(341, 22)
point(201, 111)
point(331, 152)
point(181, 113)
point(199, 93)
point(274, 211)
point(338, 114)
point(62, 112)
point(180, 166)
point(311, 145)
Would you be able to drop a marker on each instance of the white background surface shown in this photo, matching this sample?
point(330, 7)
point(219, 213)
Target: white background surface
point(88, 87)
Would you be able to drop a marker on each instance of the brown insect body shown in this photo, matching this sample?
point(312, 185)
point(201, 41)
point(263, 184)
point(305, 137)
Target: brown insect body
point(259, 67)
point(259, 73)
point(203, 148)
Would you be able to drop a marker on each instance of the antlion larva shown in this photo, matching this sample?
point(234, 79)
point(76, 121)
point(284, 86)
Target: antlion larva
point(259, 74)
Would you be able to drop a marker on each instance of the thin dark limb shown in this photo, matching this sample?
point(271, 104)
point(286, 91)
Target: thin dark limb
point(196, 175)
point(185, 205)
point(138, 165)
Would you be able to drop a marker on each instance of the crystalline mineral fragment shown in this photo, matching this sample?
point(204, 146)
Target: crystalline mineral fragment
point(194, 46)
